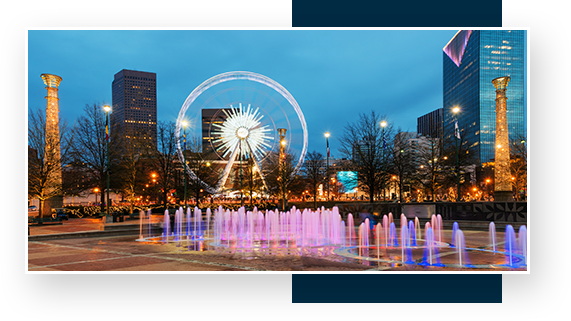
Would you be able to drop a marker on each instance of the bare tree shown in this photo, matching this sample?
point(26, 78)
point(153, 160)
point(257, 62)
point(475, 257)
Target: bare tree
point(362, 143)
point(430, 165)
point(518, 165)
point(89, 149)
point(205, 173)
point(164, 158)
point(313, 170)
point(280, 177)
point(131, 167)
point(45, 163)
point(403, 165)
point(455, 170)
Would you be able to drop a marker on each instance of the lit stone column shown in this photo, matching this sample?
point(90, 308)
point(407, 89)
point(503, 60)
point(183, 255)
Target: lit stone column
point(502, 175)
point(52, 148)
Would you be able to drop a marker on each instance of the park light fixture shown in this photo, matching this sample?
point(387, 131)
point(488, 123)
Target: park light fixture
point(383, 123)
point(327, 135)
point(456, 110)
point(107, 108)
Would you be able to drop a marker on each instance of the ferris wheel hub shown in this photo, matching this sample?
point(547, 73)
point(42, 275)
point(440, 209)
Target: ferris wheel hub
point(242, 132)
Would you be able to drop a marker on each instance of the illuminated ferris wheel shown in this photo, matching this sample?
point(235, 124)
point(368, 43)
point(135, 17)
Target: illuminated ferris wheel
point(238, 115)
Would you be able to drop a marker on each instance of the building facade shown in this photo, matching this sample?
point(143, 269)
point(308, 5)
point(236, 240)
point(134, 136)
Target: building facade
point(471, 60)
point(134, 111)
point(430, 125)
point(211, 116)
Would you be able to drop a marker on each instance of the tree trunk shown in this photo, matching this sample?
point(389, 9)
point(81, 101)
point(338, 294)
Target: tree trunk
point(41, 208)
point(315, 196)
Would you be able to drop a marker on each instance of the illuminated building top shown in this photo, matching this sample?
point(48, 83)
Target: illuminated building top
point(456, 47)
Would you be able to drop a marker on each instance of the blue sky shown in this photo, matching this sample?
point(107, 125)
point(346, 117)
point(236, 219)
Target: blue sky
point(333, 75)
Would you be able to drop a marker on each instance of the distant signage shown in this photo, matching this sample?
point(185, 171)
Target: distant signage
point(349, 181)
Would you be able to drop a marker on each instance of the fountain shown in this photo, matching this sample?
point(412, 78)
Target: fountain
point(454, 230)
point(351, 226)
point(285, 232)
point(324, 233)
point(177, 224)
point(208, 215)
point(510, 245)
point(417, 227)
point(522, 239)
point(364, 238)
point(492, 236)
point(406, 251)
point(459, 240)
point(378, 232)
point(166, 226)
point(431, 256)
point(436, 224)
point(386, 229)
point(412, 233)
point(393, 236)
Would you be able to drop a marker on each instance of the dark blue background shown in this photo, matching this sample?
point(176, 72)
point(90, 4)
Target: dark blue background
point(397, 288)
point(412, 13)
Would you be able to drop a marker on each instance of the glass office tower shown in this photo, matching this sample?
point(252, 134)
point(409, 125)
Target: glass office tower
point(135, 105)
point(472, 59)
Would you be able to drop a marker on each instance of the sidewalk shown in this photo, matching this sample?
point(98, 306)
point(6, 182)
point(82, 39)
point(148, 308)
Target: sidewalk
point(71, 225)
point(77, 228)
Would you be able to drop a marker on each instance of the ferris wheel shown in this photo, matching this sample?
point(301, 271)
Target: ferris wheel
point(237, 115)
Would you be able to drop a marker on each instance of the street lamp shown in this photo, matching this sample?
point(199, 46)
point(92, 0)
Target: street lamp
point(383, 125)
point(456, 110)
point(96, 190)
point(184, 123)
point(107, 109)
point(327, 165)
point(282, 132)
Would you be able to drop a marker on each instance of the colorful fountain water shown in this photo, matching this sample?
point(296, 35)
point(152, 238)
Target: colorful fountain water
point(324, 233)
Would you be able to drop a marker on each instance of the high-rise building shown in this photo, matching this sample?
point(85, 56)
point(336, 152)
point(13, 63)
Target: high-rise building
point(211, 116)
point(134, 111)
point(472, 59)
point(430, 125)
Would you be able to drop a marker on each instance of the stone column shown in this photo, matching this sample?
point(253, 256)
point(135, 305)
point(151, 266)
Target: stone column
point(52, 146)
point(502, 174)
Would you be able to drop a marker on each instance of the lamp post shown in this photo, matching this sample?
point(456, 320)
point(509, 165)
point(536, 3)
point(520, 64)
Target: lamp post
point(107, 109)
point(282, 163)
point(455, 110)
point(327, 165)
point(383, 125)
point(184, 161)
point(95, 190)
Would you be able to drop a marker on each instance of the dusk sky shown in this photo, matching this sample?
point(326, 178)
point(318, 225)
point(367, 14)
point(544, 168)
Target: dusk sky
point(333, 75)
